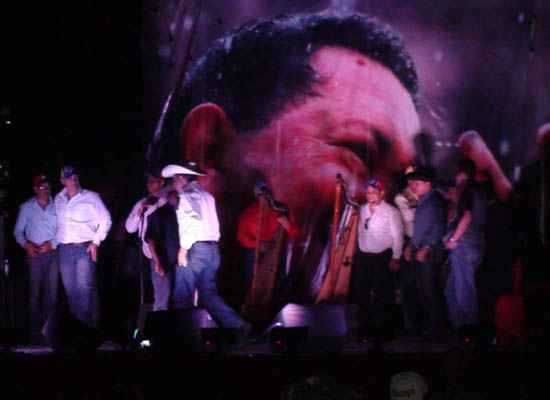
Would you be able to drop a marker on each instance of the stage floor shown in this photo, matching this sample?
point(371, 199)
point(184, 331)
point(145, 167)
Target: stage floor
point(405, 345)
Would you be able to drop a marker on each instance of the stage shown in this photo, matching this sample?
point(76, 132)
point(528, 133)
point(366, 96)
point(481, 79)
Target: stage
point(361, 370)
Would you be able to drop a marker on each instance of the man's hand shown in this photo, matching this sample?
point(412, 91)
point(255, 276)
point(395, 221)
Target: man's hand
point(46, 247)
point(142, 210)
point(423, 254)
point(159, 269)
point(144, 207)
point(92, 249)
point(182, 257)
point(407, 254)
point(394, 265)
point(451, 244)
point(31, 249)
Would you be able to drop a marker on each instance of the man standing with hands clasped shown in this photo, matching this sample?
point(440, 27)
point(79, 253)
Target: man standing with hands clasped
point(380, 240)
point(425, 251)
point(83, 223)
point(35, 231)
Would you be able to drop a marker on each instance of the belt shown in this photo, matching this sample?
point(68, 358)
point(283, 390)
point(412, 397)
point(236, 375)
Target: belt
point(207, 241)
point(77, 244)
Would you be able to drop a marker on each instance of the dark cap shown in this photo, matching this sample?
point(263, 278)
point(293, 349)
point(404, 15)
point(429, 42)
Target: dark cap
point(68, 171)
point(426, 174)
point(39, 179)
point(376, 183)
point(153, 172)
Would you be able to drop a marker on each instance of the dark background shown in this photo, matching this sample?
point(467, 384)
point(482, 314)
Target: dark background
point(72, 89)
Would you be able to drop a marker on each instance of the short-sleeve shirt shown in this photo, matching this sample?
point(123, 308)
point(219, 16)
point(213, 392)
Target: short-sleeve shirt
point(472, 199)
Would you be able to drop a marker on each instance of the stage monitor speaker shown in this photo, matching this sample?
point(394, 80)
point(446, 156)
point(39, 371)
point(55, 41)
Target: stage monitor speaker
point(190, 330)
point(321, 328)
point(65, 333)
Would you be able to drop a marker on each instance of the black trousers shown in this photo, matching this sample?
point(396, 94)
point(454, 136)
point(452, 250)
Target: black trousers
point(372, 284)
point(422, 296)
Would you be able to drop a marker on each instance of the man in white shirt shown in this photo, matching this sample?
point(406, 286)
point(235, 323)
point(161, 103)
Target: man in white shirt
point(406, 202)
point(137, 222)
point(83, 223)
point(35, 232)
point(198, 258)
point(380, 240)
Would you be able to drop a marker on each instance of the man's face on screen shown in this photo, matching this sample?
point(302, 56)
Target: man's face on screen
point(360, 123)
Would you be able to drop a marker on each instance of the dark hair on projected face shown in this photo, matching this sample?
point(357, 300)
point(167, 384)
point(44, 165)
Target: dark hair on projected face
point(262, 66)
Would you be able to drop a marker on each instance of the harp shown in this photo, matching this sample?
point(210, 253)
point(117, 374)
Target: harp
point(258, 303)
point(343, 242)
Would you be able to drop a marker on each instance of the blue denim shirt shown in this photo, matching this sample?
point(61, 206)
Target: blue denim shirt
point(36, 224)
point(430, 221)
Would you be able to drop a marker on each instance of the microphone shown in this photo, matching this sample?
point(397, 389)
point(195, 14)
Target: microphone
point(149, 201)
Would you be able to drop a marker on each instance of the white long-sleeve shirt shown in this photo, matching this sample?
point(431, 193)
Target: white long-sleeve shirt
point(137, 222)
point(83, 218)
point(194, 227)
point(385, 230)
point(407, 213)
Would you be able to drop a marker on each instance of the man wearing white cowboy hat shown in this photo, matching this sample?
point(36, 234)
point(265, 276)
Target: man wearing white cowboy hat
point(198, 258)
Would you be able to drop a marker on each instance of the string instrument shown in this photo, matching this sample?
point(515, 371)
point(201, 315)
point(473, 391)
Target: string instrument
point(343, 241)
point(258, 303)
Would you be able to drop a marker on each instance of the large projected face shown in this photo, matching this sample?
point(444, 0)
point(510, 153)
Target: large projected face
point(361, 122)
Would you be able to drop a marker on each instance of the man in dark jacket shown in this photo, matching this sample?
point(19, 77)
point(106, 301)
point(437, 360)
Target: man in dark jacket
point(162, 236)
point(425, 251)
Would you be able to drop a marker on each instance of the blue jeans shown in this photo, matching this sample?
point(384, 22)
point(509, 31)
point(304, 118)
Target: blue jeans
point(203, 261)
point(162, 288)
point(461, 292)
point(43, 279)
point(79, 277)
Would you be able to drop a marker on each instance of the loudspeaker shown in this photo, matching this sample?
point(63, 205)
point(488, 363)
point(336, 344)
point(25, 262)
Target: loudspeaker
point(64, 332)
point(323, 328)
point(181, 330)
point(220, 340)
point(288, 340)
